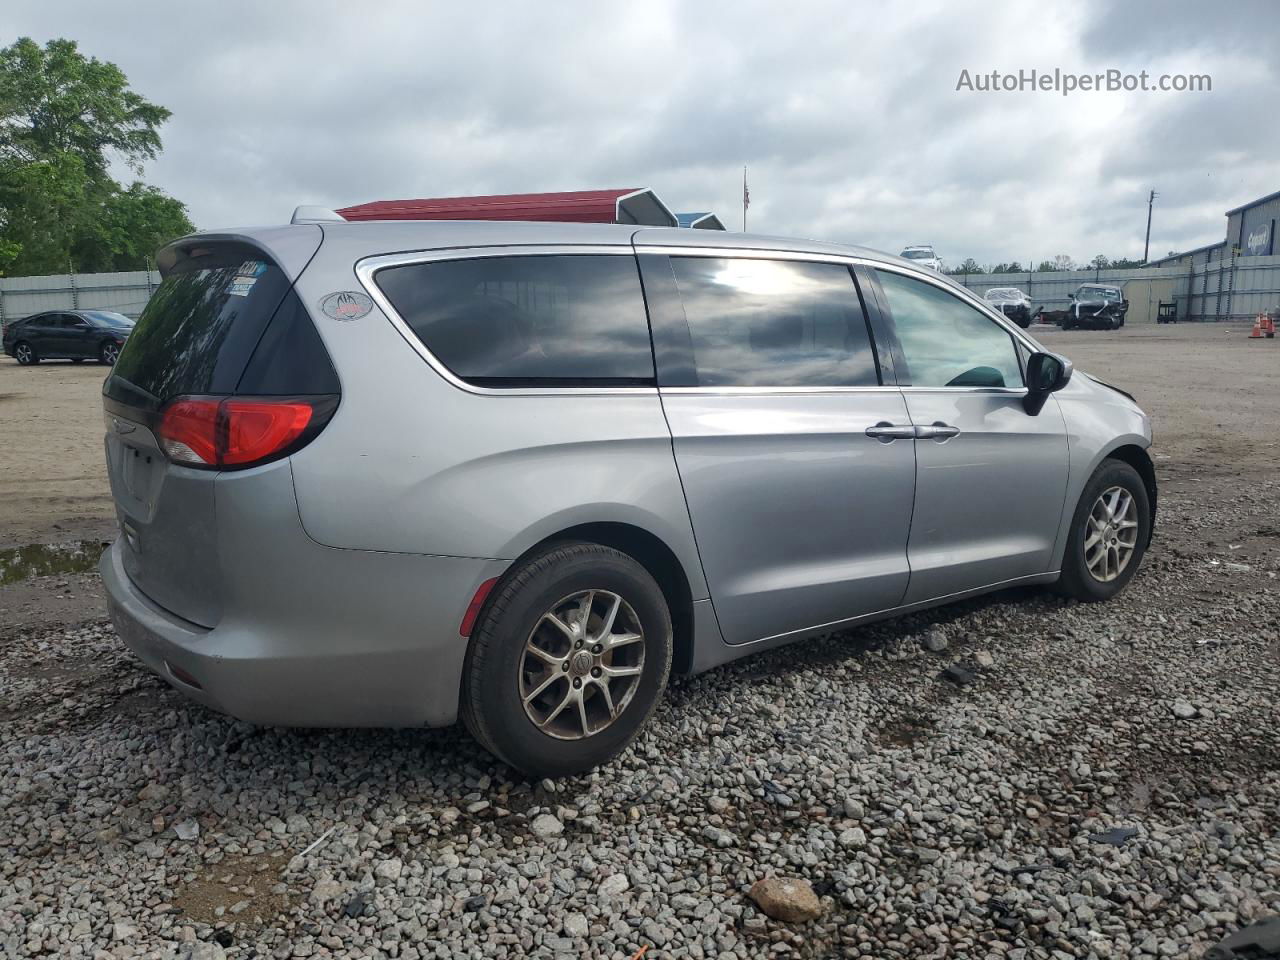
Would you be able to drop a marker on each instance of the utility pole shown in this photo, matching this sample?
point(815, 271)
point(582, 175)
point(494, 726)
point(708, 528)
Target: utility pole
point(1146, 246)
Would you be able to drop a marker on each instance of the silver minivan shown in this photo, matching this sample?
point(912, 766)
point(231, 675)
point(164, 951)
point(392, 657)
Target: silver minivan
point(394, 473)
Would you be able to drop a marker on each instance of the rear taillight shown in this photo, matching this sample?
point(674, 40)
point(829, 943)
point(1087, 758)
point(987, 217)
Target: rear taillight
point(228, 432)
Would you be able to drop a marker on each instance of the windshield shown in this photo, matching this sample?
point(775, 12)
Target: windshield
point(918, 254)
point(1004, 293)
point(1110, 294)
point(105, 318)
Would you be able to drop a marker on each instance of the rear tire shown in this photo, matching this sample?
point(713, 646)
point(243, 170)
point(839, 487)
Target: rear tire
point(562, 710)
point(25, 353)
point(1087, 574)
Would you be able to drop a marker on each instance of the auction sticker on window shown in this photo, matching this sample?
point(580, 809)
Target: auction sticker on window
point(346, 305)
point(242, 283)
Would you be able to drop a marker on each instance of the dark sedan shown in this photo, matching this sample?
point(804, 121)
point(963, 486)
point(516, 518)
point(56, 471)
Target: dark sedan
point(74, 335)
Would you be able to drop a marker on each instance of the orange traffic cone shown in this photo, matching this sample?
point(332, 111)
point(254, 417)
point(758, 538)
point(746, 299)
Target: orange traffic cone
point(1268, 326)
point(1256, 332)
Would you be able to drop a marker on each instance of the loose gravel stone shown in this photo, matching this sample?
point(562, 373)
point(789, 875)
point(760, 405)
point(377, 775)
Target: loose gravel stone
point(787, 899)
point(935, 640)
point(545, 826)
point(927, 819)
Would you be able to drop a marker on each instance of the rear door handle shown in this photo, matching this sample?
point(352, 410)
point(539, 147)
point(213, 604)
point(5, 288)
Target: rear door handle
point(887, 432)
point(939, 431)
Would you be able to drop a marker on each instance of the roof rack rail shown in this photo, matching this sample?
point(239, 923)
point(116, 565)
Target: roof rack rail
point(312, 214)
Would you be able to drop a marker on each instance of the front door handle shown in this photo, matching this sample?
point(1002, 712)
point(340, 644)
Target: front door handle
point(939, 431)
point(887, 432)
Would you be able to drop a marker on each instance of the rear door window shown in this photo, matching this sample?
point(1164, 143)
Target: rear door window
point(774, 323)
point(535, 320)
point(200, 326)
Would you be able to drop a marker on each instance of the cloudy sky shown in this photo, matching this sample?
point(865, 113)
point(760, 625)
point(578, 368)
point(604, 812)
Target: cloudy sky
point(847, 113)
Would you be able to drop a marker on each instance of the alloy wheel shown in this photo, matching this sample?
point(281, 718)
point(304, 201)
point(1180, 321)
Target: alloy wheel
point(110, 354)
point(1111, 534)
point(23, 353)
point(581, 664)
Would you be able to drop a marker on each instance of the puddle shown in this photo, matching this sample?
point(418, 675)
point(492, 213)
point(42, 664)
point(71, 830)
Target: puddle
point(43, 559)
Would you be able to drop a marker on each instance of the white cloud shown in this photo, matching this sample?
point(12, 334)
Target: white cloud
point(847, 113)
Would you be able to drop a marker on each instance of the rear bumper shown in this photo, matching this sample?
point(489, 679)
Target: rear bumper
point(371, 640)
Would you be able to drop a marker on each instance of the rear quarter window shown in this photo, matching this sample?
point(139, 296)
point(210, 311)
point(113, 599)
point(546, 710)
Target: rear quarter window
point(535, 320)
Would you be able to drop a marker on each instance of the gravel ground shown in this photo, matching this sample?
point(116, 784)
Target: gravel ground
point(1108, 784)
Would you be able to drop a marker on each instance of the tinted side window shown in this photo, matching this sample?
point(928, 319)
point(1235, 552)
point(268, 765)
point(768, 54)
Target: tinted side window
point(529, 320)
point(946, 342)
point(774, 323)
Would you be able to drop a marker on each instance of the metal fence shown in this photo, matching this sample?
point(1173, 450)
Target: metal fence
point(1234, 288)
point(1051, 289)
point(125, 293)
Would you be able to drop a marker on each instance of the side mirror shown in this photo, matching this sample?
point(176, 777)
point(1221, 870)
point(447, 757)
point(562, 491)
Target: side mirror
point(1071, 296)
point(1046, 373)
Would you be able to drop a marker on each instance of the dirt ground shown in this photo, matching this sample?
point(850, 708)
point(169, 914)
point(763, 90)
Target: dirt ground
point(53, 481)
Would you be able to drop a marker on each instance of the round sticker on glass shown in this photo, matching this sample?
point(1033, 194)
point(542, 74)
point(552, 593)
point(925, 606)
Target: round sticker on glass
point(346, 305)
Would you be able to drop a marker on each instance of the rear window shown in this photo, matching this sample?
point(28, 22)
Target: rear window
point(555, 320)
point(200, 326)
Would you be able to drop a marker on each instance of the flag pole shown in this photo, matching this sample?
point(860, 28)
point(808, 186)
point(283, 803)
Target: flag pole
point(745, 198)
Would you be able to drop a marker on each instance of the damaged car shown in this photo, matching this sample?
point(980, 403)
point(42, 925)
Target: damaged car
point(1012, 302)
point(1096, 306)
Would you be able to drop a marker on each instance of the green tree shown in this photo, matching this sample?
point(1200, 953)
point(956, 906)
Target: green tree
point(56, 100)
point(1126, 263)
point(64, 118)
point(970, 265)
point(135, 222)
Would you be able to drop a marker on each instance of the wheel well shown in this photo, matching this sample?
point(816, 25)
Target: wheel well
point(1139, 459)
point(663, 565)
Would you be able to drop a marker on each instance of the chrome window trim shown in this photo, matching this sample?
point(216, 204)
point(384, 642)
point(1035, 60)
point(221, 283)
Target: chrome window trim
point(774, 391)
point(993, 391)
point(367, 267)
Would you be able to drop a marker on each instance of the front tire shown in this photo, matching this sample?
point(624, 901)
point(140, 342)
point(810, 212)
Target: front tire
point(25, 353)
point(1109, 533)
point(109, 354)
point(568, 661)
